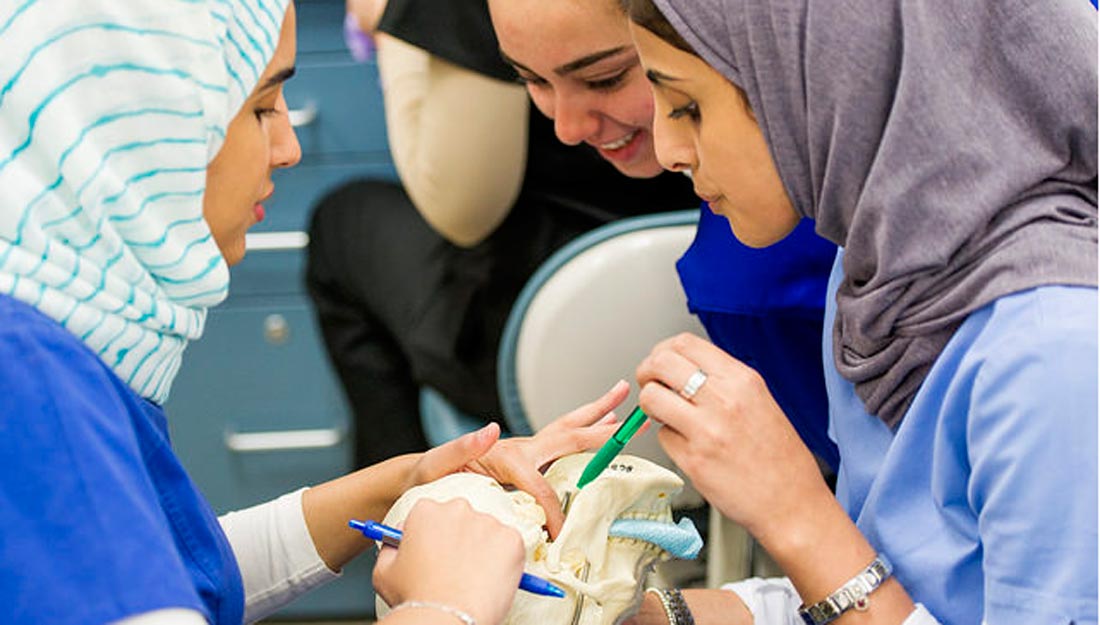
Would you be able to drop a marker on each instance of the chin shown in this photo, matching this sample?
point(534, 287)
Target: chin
point(757, 237)
point(234, 254)
point(756, 242)
point(647, 169)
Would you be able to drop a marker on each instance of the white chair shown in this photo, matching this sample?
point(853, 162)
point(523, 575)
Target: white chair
point(589, 315)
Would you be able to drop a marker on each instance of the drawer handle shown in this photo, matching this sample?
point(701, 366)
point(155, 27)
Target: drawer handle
point(275, 241)
point(285, 440)
point(300, 118)
point(276, 329)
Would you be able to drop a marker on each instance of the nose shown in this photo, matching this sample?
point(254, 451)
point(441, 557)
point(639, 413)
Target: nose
point(673, 144)
point(285, 149)
point(574, 120)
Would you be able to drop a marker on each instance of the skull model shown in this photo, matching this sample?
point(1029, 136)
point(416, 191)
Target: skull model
point(615, 530)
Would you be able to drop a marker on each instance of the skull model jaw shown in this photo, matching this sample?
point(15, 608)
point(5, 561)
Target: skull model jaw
point(602, 575)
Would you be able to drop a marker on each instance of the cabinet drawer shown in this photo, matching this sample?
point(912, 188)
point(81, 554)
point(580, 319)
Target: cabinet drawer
point(256, 413)
point(255, 410)
point(268, 273)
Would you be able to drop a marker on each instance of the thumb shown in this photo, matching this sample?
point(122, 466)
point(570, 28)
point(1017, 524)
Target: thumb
point(454, 455)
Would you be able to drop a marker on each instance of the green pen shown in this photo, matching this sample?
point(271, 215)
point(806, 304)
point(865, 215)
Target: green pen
point(612, 447)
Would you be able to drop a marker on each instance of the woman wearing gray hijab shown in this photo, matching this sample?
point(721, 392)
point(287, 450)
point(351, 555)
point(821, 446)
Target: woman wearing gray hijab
point(950, 149)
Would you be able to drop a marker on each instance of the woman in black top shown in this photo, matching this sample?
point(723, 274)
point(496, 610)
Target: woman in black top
point(413, 284)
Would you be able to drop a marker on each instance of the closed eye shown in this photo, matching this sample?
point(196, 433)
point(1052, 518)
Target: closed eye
point(690, 110)
point(606, 84)
point(530, 80)
point(262, 112)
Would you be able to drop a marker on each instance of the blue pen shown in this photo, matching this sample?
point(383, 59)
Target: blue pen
point(392, 536)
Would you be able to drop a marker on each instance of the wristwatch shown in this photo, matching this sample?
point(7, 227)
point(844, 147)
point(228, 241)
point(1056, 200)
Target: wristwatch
point(853, 594)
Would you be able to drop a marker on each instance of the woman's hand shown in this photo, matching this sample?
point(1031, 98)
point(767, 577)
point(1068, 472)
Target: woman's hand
point(744, 456)
point(368, 493)
point(454, 556)
point(452, 456)
point(519, 461)
point(731, 437)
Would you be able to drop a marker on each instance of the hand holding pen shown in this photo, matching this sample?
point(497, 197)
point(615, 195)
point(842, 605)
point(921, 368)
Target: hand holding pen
point(455, 556)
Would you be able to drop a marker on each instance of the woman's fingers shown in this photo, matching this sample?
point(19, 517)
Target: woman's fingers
point(665, 406)
point(702, 354)
point(455, 455)
point(550, 446)
point(592, 412)
point(455, 556)
point(728, 433)
point(531, 481)
point(669, 368)
point(512, 462)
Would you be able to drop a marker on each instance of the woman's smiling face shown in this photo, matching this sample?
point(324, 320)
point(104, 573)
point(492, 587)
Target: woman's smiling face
point(580, 67)
point(702, 123)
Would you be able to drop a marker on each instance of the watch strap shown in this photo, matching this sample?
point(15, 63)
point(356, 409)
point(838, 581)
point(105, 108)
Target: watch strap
point(853, 594)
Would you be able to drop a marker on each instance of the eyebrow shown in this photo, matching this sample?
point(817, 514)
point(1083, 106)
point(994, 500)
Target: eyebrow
point(278, 77)
point(657, 77)
point(571, 66)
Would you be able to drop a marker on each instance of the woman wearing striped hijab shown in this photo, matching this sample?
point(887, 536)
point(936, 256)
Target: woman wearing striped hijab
point(949, 147)
point(137, 142)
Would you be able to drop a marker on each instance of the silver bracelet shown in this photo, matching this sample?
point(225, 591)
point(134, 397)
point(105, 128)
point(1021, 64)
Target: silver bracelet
point(676, 609)
point(462, 616)
point(853, 594)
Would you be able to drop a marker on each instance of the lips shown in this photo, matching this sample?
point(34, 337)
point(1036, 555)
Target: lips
point(618, 143)
point(258, 211)
point(623, 150)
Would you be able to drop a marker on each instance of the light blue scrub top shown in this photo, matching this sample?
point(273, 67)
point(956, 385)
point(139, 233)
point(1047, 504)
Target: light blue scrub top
point(985, 498)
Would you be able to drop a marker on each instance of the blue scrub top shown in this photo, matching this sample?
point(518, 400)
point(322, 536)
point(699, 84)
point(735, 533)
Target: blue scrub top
point(985, 498)
point(765, 308)
point(99, 519)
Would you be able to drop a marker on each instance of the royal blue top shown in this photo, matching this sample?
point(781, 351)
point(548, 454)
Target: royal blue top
point(985, 498)
point(99, 520)
point(765, 308)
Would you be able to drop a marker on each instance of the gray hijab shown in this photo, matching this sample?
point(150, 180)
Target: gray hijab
point(948, 145)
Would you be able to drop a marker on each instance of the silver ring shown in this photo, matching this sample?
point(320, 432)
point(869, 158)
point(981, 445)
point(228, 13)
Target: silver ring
point(694, 383)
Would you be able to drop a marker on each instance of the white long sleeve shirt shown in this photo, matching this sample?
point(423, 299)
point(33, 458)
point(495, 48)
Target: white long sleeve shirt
point(276, 556)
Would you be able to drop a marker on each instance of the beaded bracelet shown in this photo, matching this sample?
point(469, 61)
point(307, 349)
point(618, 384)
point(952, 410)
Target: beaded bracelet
point(676, 609)
point(462, 616)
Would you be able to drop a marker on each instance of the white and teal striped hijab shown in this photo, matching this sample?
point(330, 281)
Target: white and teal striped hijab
point(110, 111)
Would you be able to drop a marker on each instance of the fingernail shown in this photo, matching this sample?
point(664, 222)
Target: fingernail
point(485, 432)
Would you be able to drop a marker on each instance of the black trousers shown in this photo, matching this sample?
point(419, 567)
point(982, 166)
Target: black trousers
point(400, 307)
